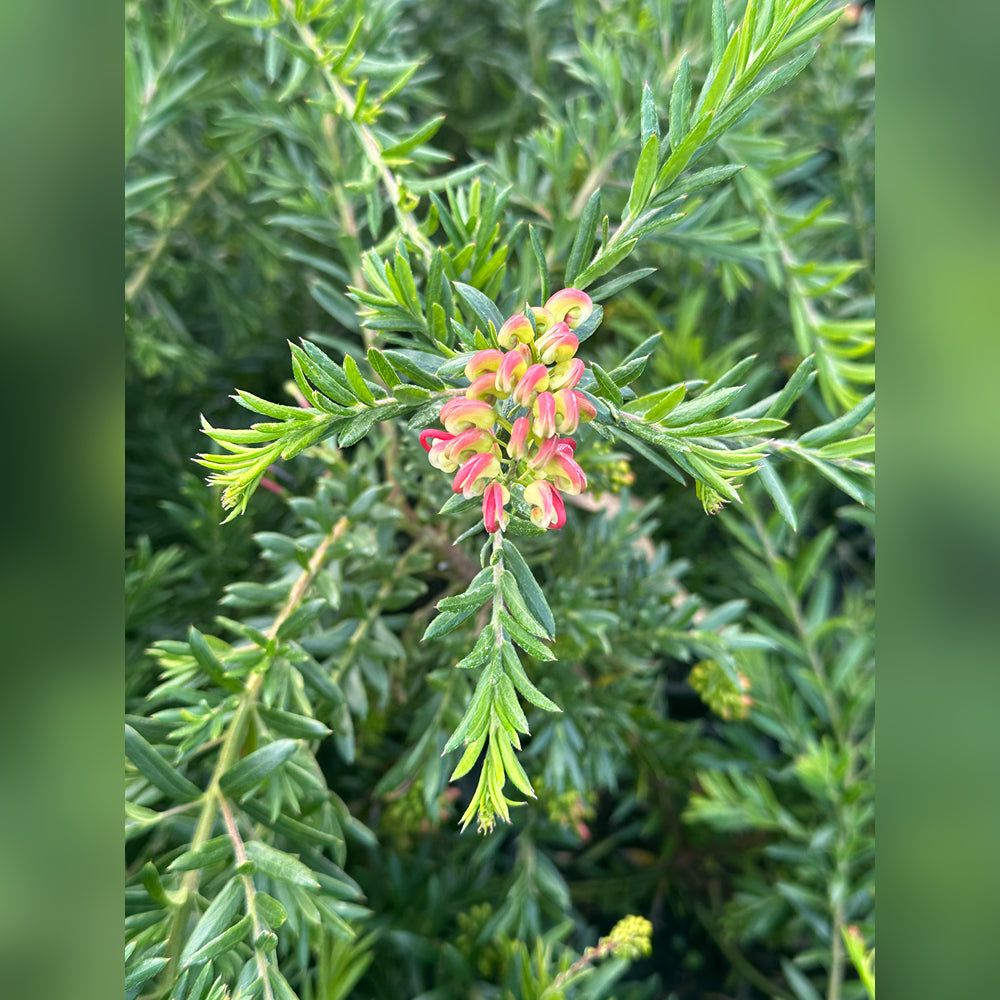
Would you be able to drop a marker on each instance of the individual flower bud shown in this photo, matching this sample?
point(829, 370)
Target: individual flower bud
point(544, 412)
point(494, 516)
point(485, 388)
point(457, 414)
point(548, 510)
point(544, 320)
point(557, 345)
point(517, 447)
point(463, 446)
point(481, 362)
point(587, 409)
point(570, 305)
point(472, 478)
point(431, 435)
point(533, 381)
point(511, 369)
point(567, 411)
point(566, 474)
point(546, 451)
point(566, 447)
point(566, 374)
point(517, 328)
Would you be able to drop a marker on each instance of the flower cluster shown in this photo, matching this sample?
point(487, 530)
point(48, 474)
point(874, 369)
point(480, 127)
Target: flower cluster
point(507, 429)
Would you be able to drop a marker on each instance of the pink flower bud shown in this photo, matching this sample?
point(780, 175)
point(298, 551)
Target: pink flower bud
point(571, 305)
point(567, 411)
point(494, 516)
point(517, 447)
point(429, 435)
point(587, 409)
point(534, 380)
point(511, 369)
point(566, 474)
point(544, 320)
point(547, 505)
point(517, 328)
point(457, 414)
point(566, 374)
point(546, 451)
point(483, 361)
point(544, 411)
point(484, 388)
point(472, 478)
point(557, 345)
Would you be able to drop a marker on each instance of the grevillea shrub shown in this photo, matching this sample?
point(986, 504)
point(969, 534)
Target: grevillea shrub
point(533, 655)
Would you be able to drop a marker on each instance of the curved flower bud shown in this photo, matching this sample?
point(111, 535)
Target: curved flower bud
point(517, 447)
point(464, 445)
point(566, 474)
point(546, 452)
point(547, 505)
point(567, 411)
point(544, 412)
point(534, 380)
point(429, 435)
point(566, 374)
point(557, 345)
point(494, 516)
point(459, 413)
point(511, 369)
point(566, 447)
point(481, 362)
point(472, 478)
point(517, 328)
point(587, 409)
point(544, 320)
point(485, 388)
point(570, 305)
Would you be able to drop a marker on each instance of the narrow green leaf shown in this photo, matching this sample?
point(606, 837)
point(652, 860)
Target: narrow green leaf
point(513, 767)
point(666, 404)
point(212, 852)
point(512, 665)
point(472, 599)
point(271, 910)
point(471, 755)
point(719, 30)
point(517, 606)
point(682, 153)
point(607, 388)
point(357, 383)
point(794, 387)
point(776, 491)
point(680, 102)
point(255, 767)
point(525, 639)
point(583, 242)
point(648, 120)
point(291, 724)
point(447, 621)
point(156, 770)
point(839, 427)
point(423, 134)
point(215, 920)
point(605, 262)
point(508, 705)
point(645, 174)
point(616, 285)
point(629, 371)
point(528, 586)
point(279, 865)
point(484, 309)
point(226, 941)
point(543, 268)
point(382, 368)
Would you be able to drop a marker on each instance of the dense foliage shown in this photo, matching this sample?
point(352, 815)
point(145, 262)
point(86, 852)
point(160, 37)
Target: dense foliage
point(658, 714)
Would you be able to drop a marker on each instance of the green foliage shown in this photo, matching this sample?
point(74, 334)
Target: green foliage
point(649, 711)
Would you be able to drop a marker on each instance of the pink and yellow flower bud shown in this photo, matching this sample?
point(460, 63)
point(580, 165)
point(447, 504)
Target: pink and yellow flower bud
point(516, 329)
point(494, 516)
point(474, 475)
point(511, 369)
point(566, 374)
point(557, 345)
point(517, 447)
point(485, 388)
point(546, 452)
point(570, 305)
point(461, 447)
point(567, 411)
point(587, 409)
point(547, 505)
point(544, 320)
point(460, 413)
point(533, 381)
point(565, 474)
point(482, 362)
point(544, 412)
